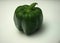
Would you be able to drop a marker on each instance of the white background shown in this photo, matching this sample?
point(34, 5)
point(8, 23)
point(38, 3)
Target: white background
point(51, 22)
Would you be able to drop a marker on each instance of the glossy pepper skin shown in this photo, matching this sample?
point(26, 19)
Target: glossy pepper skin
point(28, 18)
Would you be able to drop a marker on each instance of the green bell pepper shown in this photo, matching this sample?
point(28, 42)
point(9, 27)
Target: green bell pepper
point(28, 18)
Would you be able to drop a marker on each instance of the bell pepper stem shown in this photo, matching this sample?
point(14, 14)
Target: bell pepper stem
point(31, 7)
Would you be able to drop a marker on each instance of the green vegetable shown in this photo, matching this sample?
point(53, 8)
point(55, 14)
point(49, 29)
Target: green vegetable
point(28, 18)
